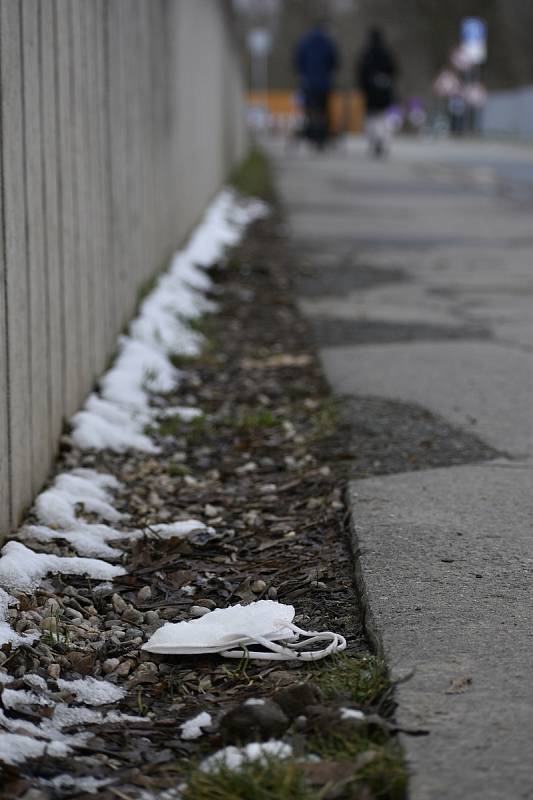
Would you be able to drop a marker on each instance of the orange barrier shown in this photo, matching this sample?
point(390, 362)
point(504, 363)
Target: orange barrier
point(346, 109)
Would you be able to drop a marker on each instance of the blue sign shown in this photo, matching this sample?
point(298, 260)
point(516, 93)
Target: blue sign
point(474, 39)
point(474, 30)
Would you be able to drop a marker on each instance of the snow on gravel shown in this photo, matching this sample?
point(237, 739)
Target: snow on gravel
point(235, 758)
point(92, 691)
point(192, 728)
point(114, 418)
point(143, 364)
point(57, 505)
point(7, 634)
point(22, 569)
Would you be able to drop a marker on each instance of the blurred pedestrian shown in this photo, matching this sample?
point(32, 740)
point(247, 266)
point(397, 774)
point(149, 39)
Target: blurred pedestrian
point(315, 60)
point(376, 71)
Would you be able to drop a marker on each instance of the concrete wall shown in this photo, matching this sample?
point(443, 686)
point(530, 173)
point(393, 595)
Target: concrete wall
point(509, 113)
point(119, 120)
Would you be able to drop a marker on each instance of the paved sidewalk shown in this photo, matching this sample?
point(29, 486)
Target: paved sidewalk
point(419, 286)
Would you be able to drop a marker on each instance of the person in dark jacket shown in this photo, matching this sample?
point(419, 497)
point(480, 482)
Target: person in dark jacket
point(376, 73)
point(316, 59)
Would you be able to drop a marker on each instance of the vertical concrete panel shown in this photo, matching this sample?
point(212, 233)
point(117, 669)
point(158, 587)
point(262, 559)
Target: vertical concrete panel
point(5, 493)
point(110, 70)
point(83, 246)
point(67, 211)
point(105, 291)
point(134, 68)
point(95, 243)
point(35, 244)
point(17, 285)
point(118, 137)
point(48, 110)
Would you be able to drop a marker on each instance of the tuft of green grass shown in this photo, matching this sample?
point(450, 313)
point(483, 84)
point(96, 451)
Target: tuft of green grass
point(361, 679)
point(177, 470)
point(257, 780)
point(254, 176)
point(258, 418)
point(382, 767)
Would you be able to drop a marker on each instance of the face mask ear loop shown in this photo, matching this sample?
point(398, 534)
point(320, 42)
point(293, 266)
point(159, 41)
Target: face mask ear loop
point(282, 653)
point(316, 636)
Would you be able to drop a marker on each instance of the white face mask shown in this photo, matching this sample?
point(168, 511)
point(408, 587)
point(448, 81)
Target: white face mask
point(265, 623)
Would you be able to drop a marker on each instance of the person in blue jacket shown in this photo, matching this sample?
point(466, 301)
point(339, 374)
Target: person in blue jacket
point(315, 59)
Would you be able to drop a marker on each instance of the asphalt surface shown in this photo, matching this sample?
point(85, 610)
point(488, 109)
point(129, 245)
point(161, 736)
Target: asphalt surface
point(417, 276)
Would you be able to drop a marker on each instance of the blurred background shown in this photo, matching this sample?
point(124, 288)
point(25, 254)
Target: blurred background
point(425, 36)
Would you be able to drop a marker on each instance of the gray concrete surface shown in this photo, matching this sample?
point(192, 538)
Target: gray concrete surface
point(446, 559)
point(433, 253)
point(119, 121)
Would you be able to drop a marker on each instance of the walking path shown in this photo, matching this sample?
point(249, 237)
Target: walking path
point(419, 284)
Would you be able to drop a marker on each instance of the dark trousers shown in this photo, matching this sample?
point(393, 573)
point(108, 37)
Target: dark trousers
point(316, 116)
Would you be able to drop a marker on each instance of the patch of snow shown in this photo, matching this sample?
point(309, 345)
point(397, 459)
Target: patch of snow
point(181, 528)
point(192, 728)
point(15, 699)
point(71, 783)
point(138, 370)
point(235, 758)
point(254, 701)
point(92, 691)
point(57, 505)
point(117, 419)
point(102, 425)
point(66, 716)
point(12, 725)
point(15, 749)
point(351, 713)
point(87, 540)
point(36, 681)
point(23, 569)
point(7, 634)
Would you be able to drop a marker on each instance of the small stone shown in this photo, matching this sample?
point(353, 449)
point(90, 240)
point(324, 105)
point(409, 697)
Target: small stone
point(133, 616)
point(112, 623)
point(73, 614)
point(34, 794)
point(254, 721)
point(294, 700)
point(34, 615)
point(119, 604)
point(198, 611)
point(151, 618)
point(206, 603)
point(81, 662)
point(144, 594)
point(268, 488)
point(211, 511)
point(110, 665)
point(54, 671)
point(51, 606)
point(250, 466)
point(124, 668)
point(272, 593)
point(258, 586)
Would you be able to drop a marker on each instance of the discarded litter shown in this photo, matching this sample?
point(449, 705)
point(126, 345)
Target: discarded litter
point(265, 622)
